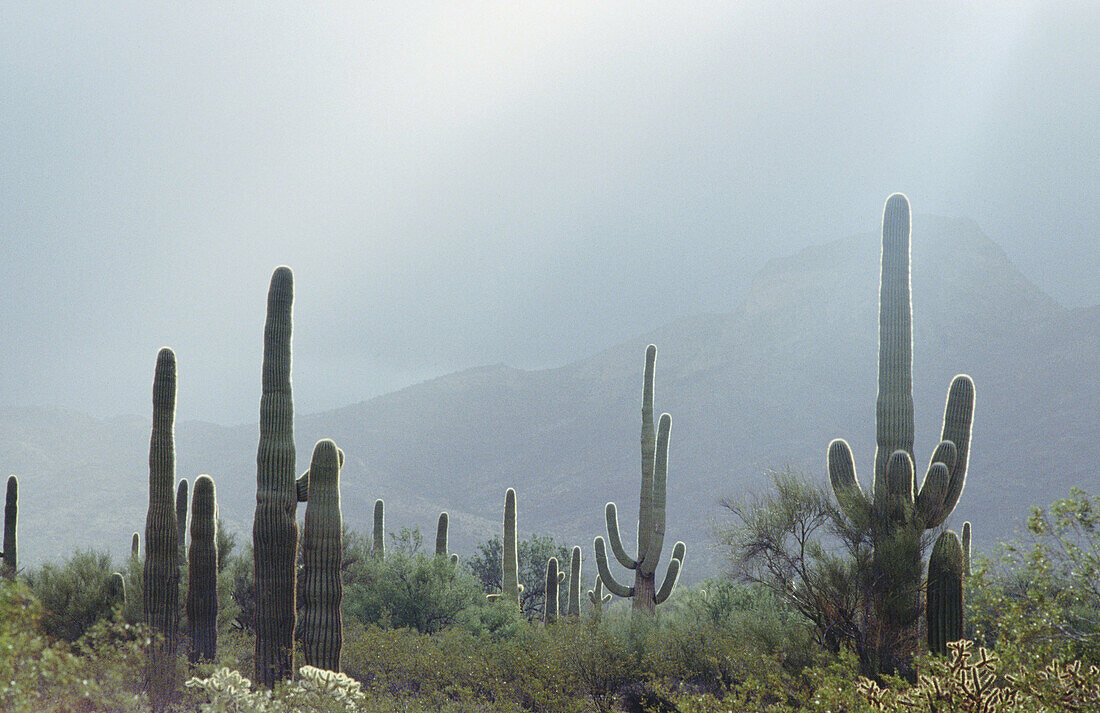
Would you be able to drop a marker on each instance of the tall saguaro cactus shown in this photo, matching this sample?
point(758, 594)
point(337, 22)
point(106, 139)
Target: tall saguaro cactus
point(161, 574)
point(202, 572)
point(966, 549)
point(510, 588)
point(944, 603)
point(573, 603)
point(322, 555)
point(441, 528)
point(379, 533)
point(9, 561)
point(651, 513)
point(554, 577)
point(274, 527)
point(897, 513)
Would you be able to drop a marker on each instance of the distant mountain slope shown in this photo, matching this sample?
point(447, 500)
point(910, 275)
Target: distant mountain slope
point(765, 386)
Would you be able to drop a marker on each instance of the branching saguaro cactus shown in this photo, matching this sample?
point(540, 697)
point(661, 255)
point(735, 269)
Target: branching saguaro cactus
point(379, 531)
point(9, 560)
point(441, 538)
point(202, 572)
point(510, 587)
point(944, 604)
point(573, 603)
point(322, 555)
point(651, 513)
point(274, 527)
point(161, 574)
point(897, 514)
point(598, 598)
point(554, 577)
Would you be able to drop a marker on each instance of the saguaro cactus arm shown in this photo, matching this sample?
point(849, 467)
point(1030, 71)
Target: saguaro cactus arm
point(672, 575)
point(606, 577)
point(612, 517)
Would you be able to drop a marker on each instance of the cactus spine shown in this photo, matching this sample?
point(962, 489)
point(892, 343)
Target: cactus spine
point(510, 587)
point(274, 528)
point(945, 593)
point(651, 513)
point(598, 598)
point(322, 555)
point(202, 572)
point(441, 538)
point(379, 533)
point(573, 603)
point(897, 513)
point(10, 561)
point(161, 574)
point(181, 520)
point(553, 579)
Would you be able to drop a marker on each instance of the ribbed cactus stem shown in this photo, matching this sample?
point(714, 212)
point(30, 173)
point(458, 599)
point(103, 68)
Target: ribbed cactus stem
point(322, 555)
point(274, 528)
point(510, 588)
point(897, 513)
point(651, 510)
point(135, 545)
point(202, 572)
point(945, 593)
point(10, 560)
point(966, 549)
point(550, 610)
point(573, 603)
point(181, 520)
point(441, 536)
point(161, 574)
point(116, 590)
point(379, 533)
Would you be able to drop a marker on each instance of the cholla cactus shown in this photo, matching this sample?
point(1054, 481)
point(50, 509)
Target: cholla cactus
point(651, 513)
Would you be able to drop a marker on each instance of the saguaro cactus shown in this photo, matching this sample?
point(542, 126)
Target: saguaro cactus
point(274, 527)
point(379, 532)
point(10, 560)
point(945, 593)
point(510, 587)
point(897, 514)
point(116, 590)
point(573, 603)
point(598, 598)
point(441, 538)
point(181, 519)
point(322, 555)
point(554, 577)
point(966, 549)
point(202, 572)
point(161, 574)
point(135, 545)
point(651, 513)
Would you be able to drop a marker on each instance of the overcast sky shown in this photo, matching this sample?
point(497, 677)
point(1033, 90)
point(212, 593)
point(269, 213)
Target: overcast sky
point(458, 184)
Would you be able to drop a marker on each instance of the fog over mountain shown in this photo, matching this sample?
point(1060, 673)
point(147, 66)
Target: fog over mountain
point(766, 385)
point(461, 184)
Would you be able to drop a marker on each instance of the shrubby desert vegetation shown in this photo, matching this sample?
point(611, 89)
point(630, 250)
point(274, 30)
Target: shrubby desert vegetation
point(832, 600)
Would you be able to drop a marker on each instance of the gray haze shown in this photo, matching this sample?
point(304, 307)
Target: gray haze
point(462, 184)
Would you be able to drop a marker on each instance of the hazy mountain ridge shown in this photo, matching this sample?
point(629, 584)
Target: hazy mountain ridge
point(764, 386)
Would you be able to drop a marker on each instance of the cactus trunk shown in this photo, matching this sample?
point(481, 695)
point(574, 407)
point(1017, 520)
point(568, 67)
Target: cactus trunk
point(161, 574)
point(379, 533)
point(553, 578)
point(202, 572)
point(322, 556)
point(510, 588)
point(945, 593)
point(274, 528)
point(897, 514)
point(651, 513)
point(9, 562)
point(573, 604)
point(181, 520)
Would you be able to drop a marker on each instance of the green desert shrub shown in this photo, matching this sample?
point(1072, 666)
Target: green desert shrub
point(73, 594)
